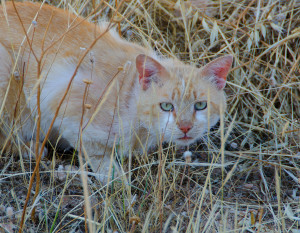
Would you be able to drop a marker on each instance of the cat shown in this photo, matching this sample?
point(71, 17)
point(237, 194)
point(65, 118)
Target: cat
point(121, 93)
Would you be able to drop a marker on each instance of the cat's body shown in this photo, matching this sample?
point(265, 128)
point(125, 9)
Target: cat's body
point(128, 99)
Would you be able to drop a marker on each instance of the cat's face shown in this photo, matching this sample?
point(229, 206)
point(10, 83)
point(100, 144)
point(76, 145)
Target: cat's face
point(181, 102)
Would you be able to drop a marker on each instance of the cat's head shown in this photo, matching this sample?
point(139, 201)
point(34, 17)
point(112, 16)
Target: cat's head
point(178, 101)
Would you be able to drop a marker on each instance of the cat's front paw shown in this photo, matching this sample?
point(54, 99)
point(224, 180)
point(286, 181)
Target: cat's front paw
point(105, 168)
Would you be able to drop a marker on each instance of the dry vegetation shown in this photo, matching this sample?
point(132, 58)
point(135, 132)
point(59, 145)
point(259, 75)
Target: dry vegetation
point(245, 175)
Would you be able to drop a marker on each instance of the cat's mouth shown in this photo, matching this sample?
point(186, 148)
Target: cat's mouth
point(185, 137)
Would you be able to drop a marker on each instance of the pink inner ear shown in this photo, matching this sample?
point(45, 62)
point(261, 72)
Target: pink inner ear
point(146, 73)
point(222, 72)
point(221, 75)
point(219, 69)
point(147, 67)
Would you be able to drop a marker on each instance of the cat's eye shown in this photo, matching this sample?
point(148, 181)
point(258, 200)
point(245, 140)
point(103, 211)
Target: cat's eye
point(200, 105)
point(168, 107)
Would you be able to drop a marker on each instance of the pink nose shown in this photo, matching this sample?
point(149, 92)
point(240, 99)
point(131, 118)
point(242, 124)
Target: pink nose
point(185, 128)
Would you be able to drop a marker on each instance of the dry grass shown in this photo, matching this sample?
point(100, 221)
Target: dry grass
point(243, 178)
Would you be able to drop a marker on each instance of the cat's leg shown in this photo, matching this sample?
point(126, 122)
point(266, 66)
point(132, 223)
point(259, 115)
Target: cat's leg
point(90, 151)
point(105, 168)
point(5, 122)
point(16, 124)
point(5, 73)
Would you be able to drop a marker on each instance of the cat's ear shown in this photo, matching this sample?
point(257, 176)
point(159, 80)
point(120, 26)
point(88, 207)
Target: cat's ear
point(149, 70)
point(218, 69)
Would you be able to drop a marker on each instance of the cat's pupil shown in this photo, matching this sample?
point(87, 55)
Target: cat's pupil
point(167, 107)
point(200, 105)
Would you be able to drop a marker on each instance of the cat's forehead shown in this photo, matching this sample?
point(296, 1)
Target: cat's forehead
point(184, 74)
point(183, 70)
point(188, 82)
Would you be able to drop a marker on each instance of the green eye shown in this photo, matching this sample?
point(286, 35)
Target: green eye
point(200, 105)
point(168, 107)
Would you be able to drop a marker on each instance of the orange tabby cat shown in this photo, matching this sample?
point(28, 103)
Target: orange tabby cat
point(121, 93)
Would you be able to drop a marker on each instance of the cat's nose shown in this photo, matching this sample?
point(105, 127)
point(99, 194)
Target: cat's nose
point(185, 127)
